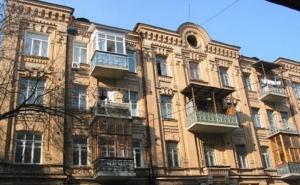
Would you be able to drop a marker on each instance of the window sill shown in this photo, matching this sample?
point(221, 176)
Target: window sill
point(260, 128)
point(35, 57)
point(198, 80)
point(166, 76)
point(169, 119)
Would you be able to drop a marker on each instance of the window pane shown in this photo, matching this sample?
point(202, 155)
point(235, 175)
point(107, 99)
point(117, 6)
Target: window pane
point(28, 149)
point(83, 55)
point(131, 61)
point(120, 48)
point(75, 157)
point(19, 153)
point(111, 46)
point(37, 155)
point(102, 45)
point(36, 48)
point(84, 157)
point(44, 49)
point(76, 54)
point(27, 49)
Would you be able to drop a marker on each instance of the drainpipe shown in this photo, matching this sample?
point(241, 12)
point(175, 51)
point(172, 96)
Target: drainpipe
point(149, 141)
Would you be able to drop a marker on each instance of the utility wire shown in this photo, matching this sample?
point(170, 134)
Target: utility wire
point(220, 12)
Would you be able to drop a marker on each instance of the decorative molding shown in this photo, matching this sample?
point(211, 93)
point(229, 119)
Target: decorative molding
point(221, 51)
point(166, 91)
point(161, 37)
point(161, 49)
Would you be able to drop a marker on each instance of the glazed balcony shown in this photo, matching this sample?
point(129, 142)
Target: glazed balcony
point(109, 65)
point(112, 109)
point(209, 122)
point(286, 129)
point(114, 169)
point(289, 171)
point(271, 93)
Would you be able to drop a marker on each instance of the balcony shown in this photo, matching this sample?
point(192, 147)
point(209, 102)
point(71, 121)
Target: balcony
point(289, 171)
point(271, 93)
point(217, 171)
point(112, 109)
point(114, 169)
point(109, 65)
point(286, 129)
point(209, 122)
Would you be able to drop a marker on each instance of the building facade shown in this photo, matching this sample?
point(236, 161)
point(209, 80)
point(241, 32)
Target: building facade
point(86, 103)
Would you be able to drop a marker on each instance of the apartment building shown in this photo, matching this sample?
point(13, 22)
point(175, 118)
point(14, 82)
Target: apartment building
point(88, 103)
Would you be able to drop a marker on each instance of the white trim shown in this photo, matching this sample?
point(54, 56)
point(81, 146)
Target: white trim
point(113, 34)
point(32, 39)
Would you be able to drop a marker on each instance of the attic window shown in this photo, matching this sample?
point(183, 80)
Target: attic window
point(192, 40)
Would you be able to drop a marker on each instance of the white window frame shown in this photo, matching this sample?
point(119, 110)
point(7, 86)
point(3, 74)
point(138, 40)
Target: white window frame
point(80, 95)
point(80, 47)
point(140, 151)
point(134, 59)
point(209, 152)
point(32, 147)
point(225, 79)
point(165, 107)
point(256, 118)
point(194, 71)
point(80, 148)
point(162, 62)
point(28, 92)
point(296, 89)
point(32, 39)
point(115, 35)
point(242, 158)
point(172, 148)
point(265, 152)
point(248, 84)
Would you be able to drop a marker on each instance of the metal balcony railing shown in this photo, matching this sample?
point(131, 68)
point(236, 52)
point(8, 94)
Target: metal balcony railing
point(210, 117)
point(284, 128)
point(111, 60)
point(289, 170)
point(114, 167)
point(112, 109)
point(269, 89)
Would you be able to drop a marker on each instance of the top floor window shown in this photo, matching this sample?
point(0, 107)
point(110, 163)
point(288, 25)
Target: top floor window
point(247, 81)
point(36, 44)
point(194, 71)
point(131, 57)
point(256, 117)
point(161, 65)
point(31, 91)
point(166, 107)
point(296, 89)
point(224, 77)
point(241, 154)
point(111, 43)
point(79, 98)
point(79, 53)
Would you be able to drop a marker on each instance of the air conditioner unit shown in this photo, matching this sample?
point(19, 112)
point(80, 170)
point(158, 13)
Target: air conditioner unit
point(75, 65)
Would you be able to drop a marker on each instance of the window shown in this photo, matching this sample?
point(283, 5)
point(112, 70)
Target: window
point(31, 91)
point(266, 157)
point(111, 43)
point(224, 77)
point(296, 89)
point(79, 98)
point(131, 57)
point(79, 151)
point(28, 148)
point(161, 65)
point(256, 117)
point(209, 154)
point(194, 71)
point(137, 154)
point(284, 118)
point(172, 152)
point(241, 155)
point(166, 107)
point(132, 98)
point(248, 84)
point(79, 53)
point(271, 119)
point(36, 44)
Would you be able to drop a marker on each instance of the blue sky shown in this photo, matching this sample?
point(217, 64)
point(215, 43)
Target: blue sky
point(260, 28)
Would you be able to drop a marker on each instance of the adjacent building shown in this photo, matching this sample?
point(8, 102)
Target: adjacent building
point(87, 103)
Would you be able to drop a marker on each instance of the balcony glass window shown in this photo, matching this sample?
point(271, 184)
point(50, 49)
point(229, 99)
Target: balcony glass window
point(79, 98)
point(209, 154)
point(36, 44)
point(172, 152)
point(194, 71)
point(241, 154)
point(28, 148)
point(224, 77)
point(271, 118)
point(247, 81)
point(256, 118)
point(296, 89)
point(266, 157)
point(131, 57)
point(166, 107)
point(111, 43)
point(79, 53)
point(31, 91)
point(132, 98)
point(161, 65)
point(138, 155)
point(79, 151)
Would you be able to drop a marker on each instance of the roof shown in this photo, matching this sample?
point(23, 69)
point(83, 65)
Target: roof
point(293, 4)
point(265, 64)
point(287, 60)
point(52, 4)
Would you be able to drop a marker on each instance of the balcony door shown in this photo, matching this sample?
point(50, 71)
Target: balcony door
point(209, 155)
